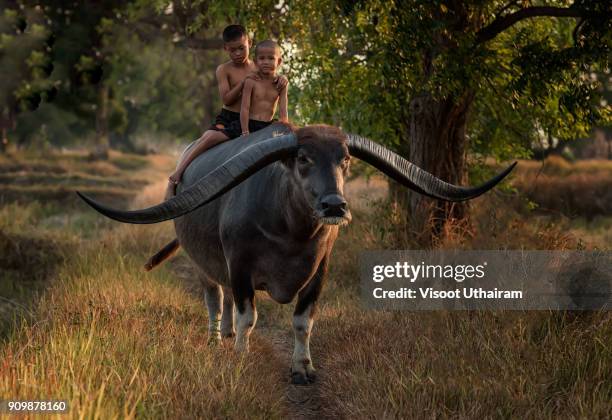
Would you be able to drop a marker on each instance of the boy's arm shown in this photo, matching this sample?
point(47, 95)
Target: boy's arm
point(282, 111)
point(245, 107)
point(228, 95)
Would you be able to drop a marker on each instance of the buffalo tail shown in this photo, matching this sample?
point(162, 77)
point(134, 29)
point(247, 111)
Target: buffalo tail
point(162, 255)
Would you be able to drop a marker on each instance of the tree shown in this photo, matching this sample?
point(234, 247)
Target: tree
point(93, 22)
point(117, 70)
point(71, 59)
point(436, 78)
point(161, 89)
point(24, 65)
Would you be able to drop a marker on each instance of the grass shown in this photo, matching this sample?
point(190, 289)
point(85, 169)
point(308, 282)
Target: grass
point(71, 180)
point(580, 189)
point(117, 343)
point(477, 364)
point(25, 179)
point(83, 322)
point(557, 165)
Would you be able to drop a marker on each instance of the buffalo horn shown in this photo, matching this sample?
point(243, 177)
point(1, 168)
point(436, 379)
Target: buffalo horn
point(219, 181)
point(413, 177)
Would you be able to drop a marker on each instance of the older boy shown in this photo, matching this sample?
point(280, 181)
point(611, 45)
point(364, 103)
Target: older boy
point(230, 77)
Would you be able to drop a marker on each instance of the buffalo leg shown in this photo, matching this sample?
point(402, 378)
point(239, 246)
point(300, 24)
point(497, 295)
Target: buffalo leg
point(246, 313)
point(213, 296)
point(302, 369)
point(227, 320)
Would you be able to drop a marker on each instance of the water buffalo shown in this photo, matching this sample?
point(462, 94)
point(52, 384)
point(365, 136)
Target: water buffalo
point(262, 212)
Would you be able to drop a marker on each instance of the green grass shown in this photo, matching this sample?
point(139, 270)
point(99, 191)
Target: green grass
point(80, 320)
point(117, 343)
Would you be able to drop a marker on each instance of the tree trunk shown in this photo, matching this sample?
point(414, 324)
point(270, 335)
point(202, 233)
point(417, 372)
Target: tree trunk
point(4, 140)
point(101, 147)
point(6, 122)
point(437, 144)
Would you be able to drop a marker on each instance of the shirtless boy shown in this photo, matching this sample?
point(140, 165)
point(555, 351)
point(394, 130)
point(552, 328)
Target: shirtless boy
point(260, 95)
point(230, 78)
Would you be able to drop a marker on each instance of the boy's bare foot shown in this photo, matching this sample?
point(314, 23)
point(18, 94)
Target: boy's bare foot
point(175, 178)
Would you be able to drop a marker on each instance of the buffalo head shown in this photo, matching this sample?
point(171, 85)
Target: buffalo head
point(319, 167)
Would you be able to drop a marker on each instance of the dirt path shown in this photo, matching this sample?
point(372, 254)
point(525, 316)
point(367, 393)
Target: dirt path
point(301, 401)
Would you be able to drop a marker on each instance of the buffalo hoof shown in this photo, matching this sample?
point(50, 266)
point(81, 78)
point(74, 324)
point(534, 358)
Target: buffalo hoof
point(298, 378)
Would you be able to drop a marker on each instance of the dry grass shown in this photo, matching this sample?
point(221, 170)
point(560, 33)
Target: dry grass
point(557, 165)
point(466, 365)
point(116, 342)
point(477, 364)
point(112, 340)
point(583, 188)
point(54, 179)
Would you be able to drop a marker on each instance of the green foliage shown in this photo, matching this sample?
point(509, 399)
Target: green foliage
point(24, 61)
point(358, 65)
point(156, 87)
point(157, 90)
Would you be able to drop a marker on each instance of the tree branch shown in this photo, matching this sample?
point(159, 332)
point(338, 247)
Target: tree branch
point(500, 24)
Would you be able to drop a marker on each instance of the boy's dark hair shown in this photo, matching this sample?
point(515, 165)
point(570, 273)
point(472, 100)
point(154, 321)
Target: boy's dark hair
point(233, 32)
point(268, 43)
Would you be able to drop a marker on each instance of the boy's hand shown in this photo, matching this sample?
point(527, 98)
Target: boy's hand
point(281, 83)
point(253, 75)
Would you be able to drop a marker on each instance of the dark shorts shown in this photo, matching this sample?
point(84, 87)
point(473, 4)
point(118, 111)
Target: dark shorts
point(228, 122)
point(225, 119)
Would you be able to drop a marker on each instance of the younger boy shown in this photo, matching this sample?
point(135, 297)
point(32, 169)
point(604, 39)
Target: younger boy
point(260, 96)
point(230, 77)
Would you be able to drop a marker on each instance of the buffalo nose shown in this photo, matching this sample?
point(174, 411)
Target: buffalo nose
point(333, 205)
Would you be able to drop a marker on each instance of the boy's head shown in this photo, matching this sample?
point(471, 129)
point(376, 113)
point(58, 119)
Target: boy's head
point(237, 43)
point(268, 56)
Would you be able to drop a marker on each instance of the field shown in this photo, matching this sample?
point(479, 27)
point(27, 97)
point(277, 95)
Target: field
point(81, 321)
